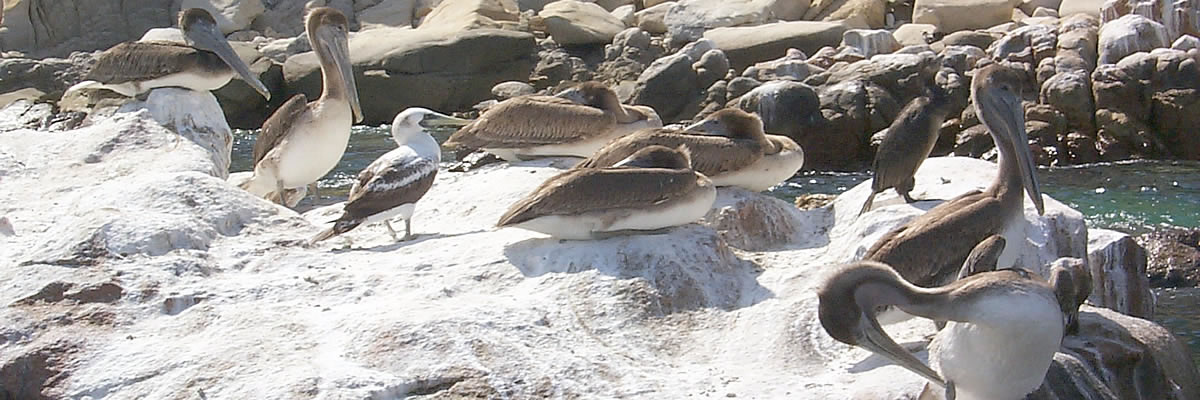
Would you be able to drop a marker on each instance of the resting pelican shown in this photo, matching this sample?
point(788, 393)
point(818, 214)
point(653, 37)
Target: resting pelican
point(206, 62)
point(575, 123)
point(1004, 326)
point(303, 141)
point(907, 144)
point(929, 250)
point(729, 147)
point(392, 184)
point(655, 188)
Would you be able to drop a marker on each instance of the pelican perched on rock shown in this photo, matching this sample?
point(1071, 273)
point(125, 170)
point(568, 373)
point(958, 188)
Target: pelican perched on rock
point(575, 123)
point(929, 250)
point(729, 147)
point(302, 141)
point(654, 188)
point(206, 62)
point(907, 144)
point(1004, 326)
point(392, 184)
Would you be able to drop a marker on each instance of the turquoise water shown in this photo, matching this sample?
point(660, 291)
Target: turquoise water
point(1132, 197)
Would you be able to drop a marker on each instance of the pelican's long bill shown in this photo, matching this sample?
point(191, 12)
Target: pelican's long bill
point(1002, 102)
point(878, 342)
point(336, 45)
point(203, 34)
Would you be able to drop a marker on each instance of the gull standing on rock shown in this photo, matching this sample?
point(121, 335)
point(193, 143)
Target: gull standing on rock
point(392, 184)
point(655, 188)
point(729, 147)
point(576, 123)
point(907, 144)
point(929, 250)
point(303, 141)
point(1004, 326)
point(206, 62)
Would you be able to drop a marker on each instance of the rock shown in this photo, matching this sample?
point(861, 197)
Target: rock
point(689, 20)
point(1078, 38)
point(279, 50)
point(244, 107)
point(979, 39)
point(1185, 43)
point(1123, 348)
point(958, 15)
point(1174, 257)
point(902, 75)
point(668, 85)
point(1118, 266)
point(397, 68)
point(190, 114)
point(712, 67)
point(55, 29)
point(1071, 93)
point(867, 12)
point(914, 34)
point(869, 43)
point(231, 15)
point(50, 77)
point(572, 22)
point(388, 13)
point(626, 14)
point(740, 85)
point(461, 15)
point(1130, 34)
point(1030, 7)
point(792, 66)
point(507, 90)
point(650, 19)
point(284, 18)
point(749, 222)
point(748, 45)
point(787, 10)
point(1086, 7)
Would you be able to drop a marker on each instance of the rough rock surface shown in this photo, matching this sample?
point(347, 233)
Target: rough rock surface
point(1174, 257)
point(57, 28)
point(460, 15)
point(425, 68)
point(1118, 266)
point(957, 15)
point(231, 15)
point(572, 22)
point(748, 45)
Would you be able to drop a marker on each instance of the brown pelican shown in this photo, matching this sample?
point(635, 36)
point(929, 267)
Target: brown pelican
point(1072, 282)
point(983, 257)
point(576, 123)
point(654, 188)
point(391, 185)
point(907, 144)
point(1004, 326)
point(303, 141)
point(729, 147)
point(929, 250)
point(206, 62)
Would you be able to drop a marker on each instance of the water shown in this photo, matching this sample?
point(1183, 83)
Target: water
point(1132, 197)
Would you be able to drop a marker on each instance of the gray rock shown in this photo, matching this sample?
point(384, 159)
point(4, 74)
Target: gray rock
point(869, 43)
point(1071, 93)
point(1118, 267)
point(58, 28)
point(651, 19)
point(625, 13)
point(1130, 34)
point(748, 45)
point(688, 20)
point(712, 67)
point(668, 85)
point(793, 66)
point(958, 15)
point(572, 22)
point(231, 15)
point(507, 90)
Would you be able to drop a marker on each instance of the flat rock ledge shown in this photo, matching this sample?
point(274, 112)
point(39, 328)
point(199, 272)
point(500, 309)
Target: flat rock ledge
point(135, 271)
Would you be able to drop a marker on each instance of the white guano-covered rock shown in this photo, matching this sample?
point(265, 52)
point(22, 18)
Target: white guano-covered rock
point(869, 42)
point(957, 15)
point(572, 22)
point(195, 116)
point(1118, 266)
point(1130, 34)
point(687, 20)
point(231, 15)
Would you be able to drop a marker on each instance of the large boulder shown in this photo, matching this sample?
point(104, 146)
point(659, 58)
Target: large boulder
point(231, 15)
point(869, 12)
point(1118, 267)
point(748, 45)
point(399, 68)
point(56, 28)
point(460, 15)
point(572, 22)
point(1085, 7)
point(688, 20)
point(1174, 257)
point(957, 15)
point(1130, 34)
point(389, 13)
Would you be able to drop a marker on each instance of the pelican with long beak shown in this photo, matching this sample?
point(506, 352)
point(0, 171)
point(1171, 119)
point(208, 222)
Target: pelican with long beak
point(205, 62)
point(576, 122)
point(929, 250)
point(392, 184)
point(1004, 326)
point(302, 141)
point(729, 147)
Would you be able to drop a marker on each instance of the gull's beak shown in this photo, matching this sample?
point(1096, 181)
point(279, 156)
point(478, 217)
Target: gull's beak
point(438, 120)
point(207, 37)
point(1001, 112)
point(873, 338)
point(336, 44)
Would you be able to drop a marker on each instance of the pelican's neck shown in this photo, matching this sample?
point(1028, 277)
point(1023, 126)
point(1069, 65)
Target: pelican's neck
point(332, 85)
point(934, 303)
point(1007, 185)
point(623, 115)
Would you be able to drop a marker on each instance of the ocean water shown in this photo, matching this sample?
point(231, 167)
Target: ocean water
point(1132, 197)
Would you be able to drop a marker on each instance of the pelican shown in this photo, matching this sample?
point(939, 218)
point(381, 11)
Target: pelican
point(206, 62)
point(302, 141)
point(929, 250)
point(907, 144)
point(1072, 282)
point(1004, 326)
point(391, 185)
point(655, 188)
point(983, 257)
point(575, 123)
point(729, 147)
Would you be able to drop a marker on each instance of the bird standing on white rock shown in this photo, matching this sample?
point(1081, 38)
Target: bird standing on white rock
point(392, 184)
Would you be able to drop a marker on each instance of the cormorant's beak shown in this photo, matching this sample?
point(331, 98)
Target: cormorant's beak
point(873, 338)
point(438, 120)
point(1010, 128)
point(336, 44)
point(206, 36)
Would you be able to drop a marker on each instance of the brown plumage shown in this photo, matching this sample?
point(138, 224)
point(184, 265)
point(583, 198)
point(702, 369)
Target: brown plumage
point(738, 144)
point(930, 249)
point(983, 257)
point(906, 145)
point(276, 127)
point(1072, 283)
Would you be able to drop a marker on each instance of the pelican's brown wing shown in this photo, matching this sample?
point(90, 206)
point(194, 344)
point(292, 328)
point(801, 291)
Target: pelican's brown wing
point(137, 61)
point(905, 146)
point(277, 126)
point(582, 190)
point(930, 250)
point(711, 155)
point(532, 121)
